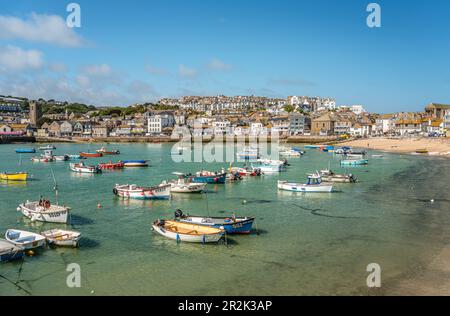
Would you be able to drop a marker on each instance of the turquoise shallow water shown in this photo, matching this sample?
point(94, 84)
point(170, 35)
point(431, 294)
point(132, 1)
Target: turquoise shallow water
point(308, 244)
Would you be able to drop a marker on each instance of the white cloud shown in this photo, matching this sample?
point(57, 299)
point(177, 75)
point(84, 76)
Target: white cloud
point(217, 64)
point(186, 72)
point(97, 70)
point(16, 59)
point(43, 28)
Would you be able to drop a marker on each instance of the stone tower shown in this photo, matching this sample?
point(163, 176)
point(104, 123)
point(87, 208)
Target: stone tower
point(35, 113)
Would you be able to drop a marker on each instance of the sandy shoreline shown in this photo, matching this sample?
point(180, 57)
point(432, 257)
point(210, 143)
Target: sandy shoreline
point(434, 146)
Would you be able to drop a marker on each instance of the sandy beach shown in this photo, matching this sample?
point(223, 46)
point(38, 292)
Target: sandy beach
point(434, 146)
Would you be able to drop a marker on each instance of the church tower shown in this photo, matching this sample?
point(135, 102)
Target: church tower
point(35, 113)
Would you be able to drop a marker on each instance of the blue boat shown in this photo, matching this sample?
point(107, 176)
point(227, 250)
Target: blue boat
point(232, 225)
point(209, 177)
point(25, 150)
point(354, 162)
point(9, 251)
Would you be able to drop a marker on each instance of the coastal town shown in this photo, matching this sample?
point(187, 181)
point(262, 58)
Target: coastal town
point(295, 118)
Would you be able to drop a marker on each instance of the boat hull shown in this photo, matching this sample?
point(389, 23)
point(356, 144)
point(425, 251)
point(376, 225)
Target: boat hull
point(9, 251)
point(84, 169)
point(25, 240)
point(305, 188)
point(135, 163)
point(219, 178)
point(62, 238)
point(190, 233)
point(359, 162)
point(239, 226)
point(188, 188)
point(143, 193)
point(25, 151)
point(91, 155)
point(20, 176)
point(58, 215)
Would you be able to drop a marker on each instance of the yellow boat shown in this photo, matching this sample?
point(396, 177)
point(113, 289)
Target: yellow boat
point(18, 176)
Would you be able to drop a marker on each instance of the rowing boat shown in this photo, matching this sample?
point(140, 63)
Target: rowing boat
point(187, 232)
point(17, 176)
point(62, 238)
point(25, 240)
point(132, 191)
point(9, 251)
point(91, 155)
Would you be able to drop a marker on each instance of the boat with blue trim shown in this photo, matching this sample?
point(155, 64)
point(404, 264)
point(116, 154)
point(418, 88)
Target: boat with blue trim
point(25, 150)
point(9, 251)
point(354, 162)
point(231, 224)
point(210, 177)
point(135, 163)
point(314, 185)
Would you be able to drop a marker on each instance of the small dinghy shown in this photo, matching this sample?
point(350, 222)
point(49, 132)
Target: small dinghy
point(62, 238)
point(44, 211)
point(314, 185)
point(25, 240)
point(48, 147)
point(25, 150)
point(91, 155)
point(132, 191)
point(210, 177)
point(232, 224)
point(184, 185)
point(135, 163)
point(187, 232)
point(354, 162)
point(82, 168)
point(104, 151)
point(61, 158)
point(17, 176)
point(9, 251)
point(329, 176)
point(111, 165)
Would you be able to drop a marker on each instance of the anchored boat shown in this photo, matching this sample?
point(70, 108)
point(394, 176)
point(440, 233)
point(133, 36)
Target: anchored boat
point(25, 240)
point(48, 147)
point(25, 150)
point(314, 185)
point(210, 177)
point(135, 163)
point(329, 176)
point(44, 211)
point(90, 155)
point(104, 151)
point(61, 158)
point(354, 162)
point(17, 176)
point(62, 238)
point(184, 184)
point(111, 165)
point(9, 251)
point(187, 232)
point(82, 168)
point(132, 191)
point(232, 224)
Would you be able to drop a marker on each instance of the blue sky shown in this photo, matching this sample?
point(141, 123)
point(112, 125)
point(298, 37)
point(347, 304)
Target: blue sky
point(135, 51)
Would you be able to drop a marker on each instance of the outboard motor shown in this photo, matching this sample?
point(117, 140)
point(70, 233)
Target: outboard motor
point(178, 213)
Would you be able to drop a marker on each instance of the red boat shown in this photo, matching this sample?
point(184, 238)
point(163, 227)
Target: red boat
point(91, 155)
point(111, 165)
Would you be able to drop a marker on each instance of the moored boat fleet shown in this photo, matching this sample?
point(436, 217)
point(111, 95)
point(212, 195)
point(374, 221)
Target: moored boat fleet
point(183, 227)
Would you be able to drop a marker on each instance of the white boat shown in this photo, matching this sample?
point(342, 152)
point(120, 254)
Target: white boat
point(25, 240)
point(248, 153)
point(314, 185)
point(269, 166)
point(184, 185)
point(329, 176)
point(9, 251)
point(187, 232)
point(377, 156)
point(44, 211)
point(61, 158)
point(132, 191)
point(41, 159)
point(63, 238)
point(82, 168)
point(355, 156)
point(48, 147)
point(290, 153)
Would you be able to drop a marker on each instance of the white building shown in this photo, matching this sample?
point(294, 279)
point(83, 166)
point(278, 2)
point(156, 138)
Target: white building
point(221, 127)
point(157, 123)
point(357, 109)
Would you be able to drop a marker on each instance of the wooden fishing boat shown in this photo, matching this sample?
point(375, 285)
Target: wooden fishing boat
point(132, 191)
point(329, 176)
point(185, 185)
point(187, 232)
point(82, 168)
point(62, 238)
point(17, 176)
point(314, 185)
point(135, 163)
point(9, 251)
point(25, 150)
point(91, 155)
point(25, 240)
point(48, 147)
point(231, 224)
point(61, 158)
point(210, 177)
point(111, 165)
point(104, 151)
point(44, 211)
point(354, 162)
point(421, 151)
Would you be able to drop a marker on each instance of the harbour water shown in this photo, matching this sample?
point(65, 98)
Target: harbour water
point(313, 244)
